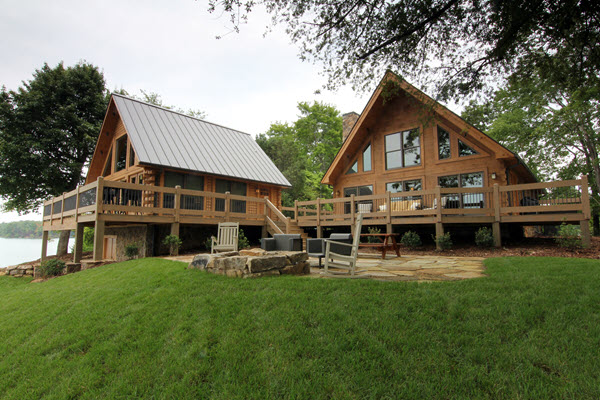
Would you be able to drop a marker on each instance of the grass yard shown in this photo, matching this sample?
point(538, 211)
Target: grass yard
point(152, 329)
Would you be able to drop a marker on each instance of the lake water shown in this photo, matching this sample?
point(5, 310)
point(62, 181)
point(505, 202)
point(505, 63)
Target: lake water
point(16, 251)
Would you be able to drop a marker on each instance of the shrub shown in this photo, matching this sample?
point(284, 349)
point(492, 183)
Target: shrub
point(132, 250)
point(208, 243)
point(88, 239)
point(484, 237)
point(411, 240)
point(373, 231)
point(243, 242)
point(173, 242)
point(443, 242)
point(53, 267)
point(568, 236)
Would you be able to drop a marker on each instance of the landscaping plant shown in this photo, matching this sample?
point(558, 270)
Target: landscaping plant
point(243, 242)
point(484, 237)
point(173, 242)
point(411, 240)
point(53, 267)
point(568, 236)
point(132, 251)
point(443, 242)
point(373, 231)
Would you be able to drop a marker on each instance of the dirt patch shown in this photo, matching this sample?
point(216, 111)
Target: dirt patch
point(538, 247)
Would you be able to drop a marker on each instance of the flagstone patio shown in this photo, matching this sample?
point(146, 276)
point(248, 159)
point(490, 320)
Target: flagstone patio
point(405, 268)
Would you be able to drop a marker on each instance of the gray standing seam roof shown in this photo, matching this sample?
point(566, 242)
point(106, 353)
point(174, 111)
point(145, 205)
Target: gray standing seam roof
point(171, 139)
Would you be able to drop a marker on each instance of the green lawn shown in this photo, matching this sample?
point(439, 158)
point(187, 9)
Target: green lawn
point(150, 328)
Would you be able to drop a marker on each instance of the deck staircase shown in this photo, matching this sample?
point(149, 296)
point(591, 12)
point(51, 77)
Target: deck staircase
point(278, 223)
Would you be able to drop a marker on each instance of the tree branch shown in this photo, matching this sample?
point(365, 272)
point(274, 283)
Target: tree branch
point(434, 16)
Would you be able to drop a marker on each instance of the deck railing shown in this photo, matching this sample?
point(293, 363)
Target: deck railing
point(514, 203)
point(121, 198)
point(544, 201)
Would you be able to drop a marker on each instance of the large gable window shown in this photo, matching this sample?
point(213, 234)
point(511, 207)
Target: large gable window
point(464, 149)
point(367, 159)
point(121, 153)
point(443, 144)
point(403, 149)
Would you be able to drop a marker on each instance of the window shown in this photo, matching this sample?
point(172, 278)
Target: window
point(367, 159)
point(107, 168)
point(443, 144)
point(402, 149)
point(404, 186)
point(186, 181)
point(233, 187)
point(464, 149)
point(121, 153)
point(365, 205)
point(131, 156)
point(467, 200)
point(353, 169)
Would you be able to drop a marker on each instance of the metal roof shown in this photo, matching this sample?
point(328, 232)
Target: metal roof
point(171, 139)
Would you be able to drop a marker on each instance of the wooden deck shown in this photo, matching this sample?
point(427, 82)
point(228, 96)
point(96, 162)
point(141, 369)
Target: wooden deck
point(112, 203)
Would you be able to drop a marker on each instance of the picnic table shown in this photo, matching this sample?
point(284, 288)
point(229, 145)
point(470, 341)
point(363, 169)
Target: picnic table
point(387, 241)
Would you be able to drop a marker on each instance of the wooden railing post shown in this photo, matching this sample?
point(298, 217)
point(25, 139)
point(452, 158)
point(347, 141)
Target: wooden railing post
point(296, 210)
point(352, 213)
point(99, 192)
point(177, 203)
point(388, 209)
point(439, 227)
point(584, 224)
point(496, 224)
point(62, 207)
point(227, 206)
point(77, 204)
point(318, 212)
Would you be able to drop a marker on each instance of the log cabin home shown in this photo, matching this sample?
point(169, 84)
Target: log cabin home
point(408, 161)
point(154, 168)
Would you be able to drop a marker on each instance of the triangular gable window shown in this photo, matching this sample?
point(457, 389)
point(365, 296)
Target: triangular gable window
point(464, 149)
point(107, 166)
point(353, 169)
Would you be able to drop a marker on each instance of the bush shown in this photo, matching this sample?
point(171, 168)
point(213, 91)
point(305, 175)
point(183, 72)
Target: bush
point(568, 236)
point(132, 251)
point(411, 240)
point(484, 237)
point(173, 242)
point(373, 231)
point(443, 242)
point(243, 242)
point(88, 239)
point(52, 267)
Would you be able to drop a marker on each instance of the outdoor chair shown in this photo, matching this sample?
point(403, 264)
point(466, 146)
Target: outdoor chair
point(282, 242)
point(316, 247)
point(227, 237)
point(343, 261)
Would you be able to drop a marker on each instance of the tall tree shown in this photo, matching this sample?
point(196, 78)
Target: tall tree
point(48, 129)
point(460, 45)
point(155, 98)
point(304, 150)
point(551, 122)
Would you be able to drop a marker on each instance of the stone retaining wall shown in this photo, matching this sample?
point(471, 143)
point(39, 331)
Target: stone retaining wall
point(253, 263)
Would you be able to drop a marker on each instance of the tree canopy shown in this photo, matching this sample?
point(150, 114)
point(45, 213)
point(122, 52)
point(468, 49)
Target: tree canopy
point(449, 47)
point(48, 130)
point(304, 150)
point(155, 98)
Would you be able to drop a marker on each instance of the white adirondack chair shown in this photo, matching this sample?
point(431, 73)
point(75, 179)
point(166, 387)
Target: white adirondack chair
point(227, 237)
point(341, 261)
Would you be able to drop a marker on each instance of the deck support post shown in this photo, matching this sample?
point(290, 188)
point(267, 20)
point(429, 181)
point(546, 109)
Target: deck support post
point(78, 249)
point(319, 232)
point(99, 240)
point(439, 231)
point(388, 229)
point(175, 232)
point(263, 232)
point(44, 245)
point(585, 232)
point(496, 224)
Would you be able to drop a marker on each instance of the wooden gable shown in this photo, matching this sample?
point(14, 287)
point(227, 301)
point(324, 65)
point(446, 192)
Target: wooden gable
point(404, 108)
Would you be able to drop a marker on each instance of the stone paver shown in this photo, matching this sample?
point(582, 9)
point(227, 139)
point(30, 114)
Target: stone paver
point(415, 268)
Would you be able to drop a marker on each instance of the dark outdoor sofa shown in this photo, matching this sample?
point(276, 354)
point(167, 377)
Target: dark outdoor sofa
point(282, 242)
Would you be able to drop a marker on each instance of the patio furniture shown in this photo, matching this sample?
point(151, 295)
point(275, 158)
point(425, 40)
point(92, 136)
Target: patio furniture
point(387, 241)
point(316, 247)
point(282, 242)
point(343, 261)
point(227, 237)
